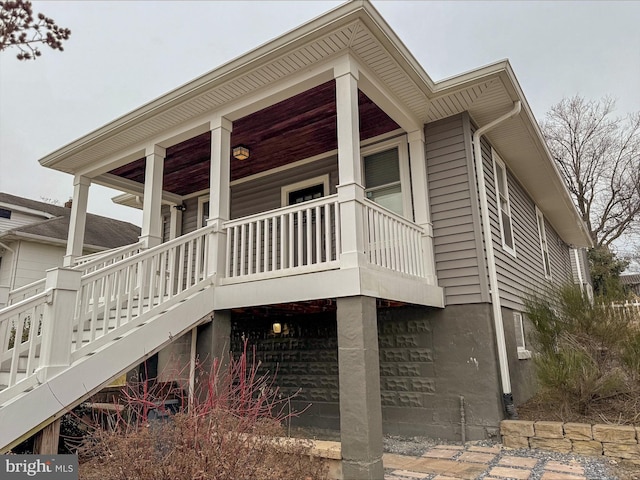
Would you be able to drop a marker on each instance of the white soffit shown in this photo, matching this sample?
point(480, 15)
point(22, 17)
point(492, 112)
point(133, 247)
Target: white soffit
point(292, 53)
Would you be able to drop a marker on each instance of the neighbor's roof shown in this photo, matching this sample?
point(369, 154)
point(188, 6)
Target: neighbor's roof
point(100, 232)
point(630, 279)
point(355, 27)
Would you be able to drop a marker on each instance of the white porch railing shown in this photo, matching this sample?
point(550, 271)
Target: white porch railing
point(110, 302)
point(394, 242)
point(296, 239)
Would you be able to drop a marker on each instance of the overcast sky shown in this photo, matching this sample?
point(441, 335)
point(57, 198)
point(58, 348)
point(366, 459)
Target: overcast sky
point(124, 53)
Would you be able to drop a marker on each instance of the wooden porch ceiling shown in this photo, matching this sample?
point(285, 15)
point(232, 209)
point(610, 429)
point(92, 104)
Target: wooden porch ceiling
point(300, 127)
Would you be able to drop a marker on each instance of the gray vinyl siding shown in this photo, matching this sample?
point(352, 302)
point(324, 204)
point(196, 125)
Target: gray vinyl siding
point(264, 193)
point(190, 215)
point(450, 181)
point(523, 274)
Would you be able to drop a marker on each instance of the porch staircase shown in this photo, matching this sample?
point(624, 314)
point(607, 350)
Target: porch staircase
point(62, 339)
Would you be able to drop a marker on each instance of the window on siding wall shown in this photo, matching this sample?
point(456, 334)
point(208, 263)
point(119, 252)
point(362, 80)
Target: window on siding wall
point(203, 211)
point(518, 323)
point(382, 179)
point(4, 213)
point(504, 207)
point(305, 190)
point(544, 247)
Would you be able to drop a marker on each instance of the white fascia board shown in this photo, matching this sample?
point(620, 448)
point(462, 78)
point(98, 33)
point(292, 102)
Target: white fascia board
point(466, 79)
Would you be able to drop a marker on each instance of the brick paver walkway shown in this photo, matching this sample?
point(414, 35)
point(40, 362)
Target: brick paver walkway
point(451, 462)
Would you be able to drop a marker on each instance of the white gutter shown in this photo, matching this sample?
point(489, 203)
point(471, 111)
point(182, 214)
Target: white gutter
point(491, 261)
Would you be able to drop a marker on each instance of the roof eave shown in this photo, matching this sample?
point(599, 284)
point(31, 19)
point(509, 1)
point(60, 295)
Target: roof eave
point(313, 29)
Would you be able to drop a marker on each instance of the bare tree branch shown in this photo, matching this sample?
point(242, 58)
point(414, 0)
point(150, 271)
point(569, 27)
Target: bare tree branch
point(599, 158)
point(19, 29)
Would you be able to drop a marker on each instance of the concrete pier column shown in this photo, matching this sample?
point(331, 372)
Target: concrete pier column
point(359, 378)
point(214, 341)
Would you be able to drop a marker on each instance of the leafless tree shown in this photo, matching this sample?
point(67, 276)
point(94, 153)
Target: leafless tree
point(19, 29)
point(599, 157)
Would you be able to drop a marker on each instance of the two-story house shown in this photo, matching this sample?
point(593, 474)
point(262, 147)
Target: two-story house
point(33, 239)
point(371, 231)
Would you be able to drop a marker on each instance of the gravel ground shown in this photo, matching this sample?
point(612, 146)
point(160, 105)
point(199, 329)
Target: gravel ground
point(595, 468)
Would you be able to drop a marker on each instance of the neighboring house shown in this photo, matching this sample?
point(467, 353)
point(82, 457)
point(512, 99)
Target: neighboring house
point(33, 239)
point(631, 282)
point(371, 231)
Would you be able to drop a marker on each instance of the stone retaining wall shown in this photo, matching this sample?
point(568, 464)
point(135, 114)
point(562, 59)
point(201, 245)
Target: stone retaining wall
point(616, 441)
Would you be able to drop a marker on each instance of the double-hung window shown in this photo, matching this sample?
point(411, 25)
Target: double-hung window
point(504, 207)
point(544, 247)
point(385, 170)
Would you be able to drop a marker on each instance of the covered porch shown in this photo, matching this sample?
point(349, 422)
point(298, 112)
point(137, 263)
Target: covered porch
point(331, 201)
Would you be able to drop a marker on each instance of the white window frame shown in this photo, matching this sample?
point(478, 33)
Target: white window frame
point(499, 164)
point(521, 345)
point(403, 163)
point(544, 244)
point(200, 222)
point(310, 182)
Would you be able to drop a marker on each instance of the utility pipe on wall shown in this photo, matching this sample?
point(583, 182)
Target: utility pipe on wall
point(505, 377)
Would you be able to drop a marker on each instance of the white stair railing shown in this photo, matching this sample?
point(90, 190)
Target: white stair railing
point(107, 304)
point(86, 264)
point(20, 338)
point(96, 261)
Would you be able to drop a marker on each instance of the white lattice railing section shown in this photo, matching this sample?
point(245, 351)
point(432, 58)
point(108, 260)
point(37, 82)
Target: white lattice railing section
point(20, 338)
point(393, 242)
point(295, 239)
point(124, 291)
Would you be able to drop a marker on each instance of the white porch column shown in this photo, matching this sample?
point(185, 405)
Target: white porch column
point(421, 208)
point(78, 219)
point(219, 194)
point(350, 189)
point(151, 213)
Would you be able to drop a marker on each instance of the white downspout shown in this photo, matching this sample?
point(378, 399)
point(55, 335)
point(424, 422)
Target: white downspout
point(491, 261)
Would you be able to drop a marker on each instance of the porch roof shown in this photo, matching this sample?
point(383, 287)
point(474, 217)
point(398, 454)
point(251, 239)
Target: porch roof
point(357, 28)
